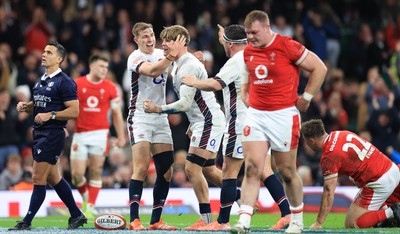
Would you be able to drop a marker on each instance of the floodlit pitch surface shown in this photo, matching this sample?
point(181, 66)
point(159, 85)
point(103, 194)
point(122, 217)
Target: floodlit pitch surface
point(260, 224)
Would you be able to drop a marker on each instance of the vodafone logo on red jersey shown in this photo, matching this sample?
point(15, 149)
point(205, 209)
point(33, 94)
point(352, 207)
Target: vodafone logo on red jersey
point(261, 73)
point(92, 102)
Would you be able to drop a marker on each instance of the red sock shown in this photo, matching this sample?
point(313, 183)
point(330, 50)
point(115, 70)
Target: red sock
point(370, 219)
point(94, 188)
point(82, 188)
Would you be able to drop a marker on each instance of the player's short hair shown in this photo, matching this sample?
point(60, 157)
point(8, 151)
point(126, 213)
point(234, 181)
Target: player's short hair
point(96, 57)
point(313, 128)
point(171, 33)
point(256, 15)
point(61, 51)
point(140, 26)
point(235, 34)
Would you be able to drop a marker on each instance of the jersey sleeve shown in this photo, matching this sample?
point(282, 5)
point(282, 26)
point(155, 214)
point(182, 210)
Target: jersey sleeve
point(184, 103)
point(330, 168)
point(134, 62)
point(295, 50)
point(68, 90)
point(244, 71)
point(227, 73)
point(115, 100)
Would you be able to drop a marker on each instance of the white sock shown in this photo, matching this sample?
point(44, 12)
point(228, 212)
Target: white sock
point(297, 213)
point(206, 217)
point(245, 214)
point(389, 213)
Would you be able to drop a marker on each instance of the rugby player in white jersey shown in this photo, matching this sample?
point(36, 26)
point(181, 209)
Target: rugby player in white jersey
point(150, 134)
point(207, 122)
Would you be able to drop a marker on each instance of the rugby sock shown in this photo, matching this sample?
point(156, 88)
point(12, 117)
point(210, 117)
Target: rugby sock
point(238, 195)
point(277, 192)
point(82, 187)
point(94, 189)
point(297, 213)
point(135, 194)
point(372, 218)
point(245, 214)
point(227, 198)
point(64, 191)
point(37, 198)
point(205, 212)
point(160, 193)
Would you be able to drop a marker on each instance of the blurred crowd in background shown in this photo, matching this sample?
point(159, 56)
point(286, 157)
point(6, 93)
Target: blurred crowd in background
point(359, 40)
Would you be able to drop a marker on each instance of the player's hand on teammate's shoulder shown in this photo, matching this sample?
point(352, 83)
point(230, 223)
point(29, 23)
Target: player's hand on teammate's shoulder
point(188, 80)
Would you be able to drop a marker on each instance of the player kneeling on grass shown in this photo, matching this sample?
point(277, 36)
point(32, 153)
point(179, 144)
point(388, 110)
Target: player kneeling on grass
point(346, 153)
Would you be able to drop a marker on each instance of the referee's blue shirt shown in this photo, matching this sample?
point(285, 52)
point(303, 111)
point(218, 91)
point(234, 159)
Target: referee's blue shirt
point(50, 93)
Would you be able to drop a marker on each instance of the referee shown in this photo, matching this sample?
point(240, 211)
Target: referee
point(54, 102)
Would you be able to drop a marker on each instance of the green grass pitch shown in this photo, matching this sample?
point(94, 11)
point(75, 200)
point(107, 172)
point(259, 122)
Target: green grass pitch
point(260, 224)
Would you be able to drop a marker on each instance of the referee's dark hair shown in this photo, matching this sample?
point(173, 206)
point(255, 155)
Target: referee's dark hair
point(61, 51)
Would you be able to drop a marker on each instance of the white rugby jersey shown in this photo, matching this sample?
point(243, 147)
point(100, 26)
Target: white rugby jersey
point(144, 87)
point(230, 76)
point(198, 105)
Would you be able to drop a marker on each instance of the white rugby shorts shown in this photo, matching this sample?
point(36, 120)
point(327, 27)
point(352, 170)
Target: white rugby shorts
point(374, 194)
point(281, 128)
point(208, 137)
point(85, 144)
point(150, 128)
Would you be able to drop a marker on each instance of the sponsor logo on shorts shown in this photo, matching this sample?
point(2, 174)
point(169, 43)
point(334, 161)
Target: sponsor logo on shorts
point(246, 131)
point(239, 150)
point(212, 142)
point(141, 136)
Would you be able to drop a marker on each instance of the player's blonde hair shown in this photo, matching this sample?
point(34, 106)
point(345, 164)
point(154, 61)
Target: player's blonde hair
point(170, 33)
point(140, 26)
point(256, 15)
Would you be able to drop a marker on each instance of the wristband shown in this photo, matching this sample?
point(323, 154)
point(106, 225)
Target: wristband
point(307, 96)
